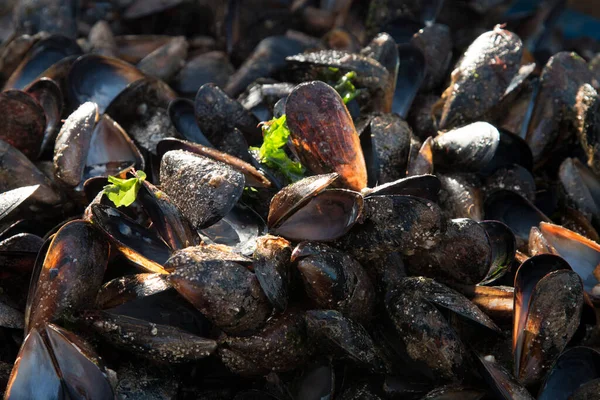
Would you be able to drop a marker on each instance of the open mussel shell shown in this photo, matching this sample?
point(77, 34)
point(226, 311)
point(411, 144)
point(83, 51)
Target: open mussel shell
point(573, 369)
point(323, 134)
point(347, 338)
point(181, 112)
point(469, 148)
point(157, 342)
point(280, 346)
point(49, 95)
point(326, 216)
point(293, 196)
point(424, 186)
point(518, 213)
point(139, 245)
point(167, 219)
point(239, 229)
point(24, 122)
point(205, 190)
point(227, 293)
point(141, 109)
point(411, 73)
point(334, 280)
point(89, 145)
point(42, 56)
point(484, 71)
point(99, 79)
point(70, 274)
point(60, 364)
point(582, 254)
point(254, 177)
point(548, 304)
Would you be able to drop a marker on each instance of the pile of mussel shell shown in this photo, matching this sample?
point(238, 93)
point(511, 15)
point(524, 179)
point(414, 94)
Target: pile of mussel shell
point(442, 243)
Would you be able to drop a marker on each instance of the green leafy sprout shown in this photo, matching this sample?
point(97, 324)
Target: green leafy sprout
point(122, 192)
point(275, 132)
point(272, 151)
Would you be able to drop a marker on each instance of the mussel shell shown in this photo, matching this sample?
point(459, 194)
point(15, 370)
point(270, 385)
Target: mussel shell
point(48, 94)
point(19, 171)
point(210, 67)
point(268, 57)
point(282, 345)
point(167, 219)
point(271, 265)
point(240, 229)
point(11, 199)
point(351, 340)
point(515, 178)
point(512, 149)
point(435, 42)
point(228, 294)
point(421, 162)
point(323, 134)
point(128, 288)
point(61, 365)
point(504, 247)
point(99, 79)
point(217, 115)
point(327, 216)
point(410, 77)
point(515, 211)
point(573, 369)
point(293, 196)
point(581, 185)
point(469, 148)
point(24, 122)
point(548, 305)
point(386, 148)
point(42, 56)
point(164, 62)
point(204, 190)
point(485, 72)
point(463, 255)
point(141, 109)
point(254, 177)
point(139, 245)
point(502, 383)
point(395, 223)
point(424, 186)
point(181, 112)
point(582, 254)
point(70, 275)
point(588, 127)
point(334, 280)
point(461, 195)
point(156, 342)
point(70, 155)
